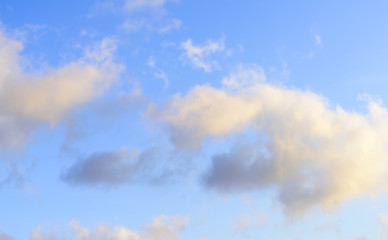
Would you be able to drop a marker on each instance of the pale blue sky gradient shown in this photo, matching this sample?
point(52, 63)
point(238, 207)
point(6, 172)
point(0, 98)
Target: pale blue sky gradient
point(334, 50)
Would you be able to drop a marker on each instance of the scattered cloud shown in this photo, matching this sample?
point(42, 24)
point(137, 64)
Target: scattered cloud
point(133, 5)
point(162, 228)
point(318, 40)
point(249, 222)
point(317, 37)
point(246, 75)
point(200, 55)
point(160, 26)
point(159, 73)
point(4, 236)
point(310, 153)
point(172, 25)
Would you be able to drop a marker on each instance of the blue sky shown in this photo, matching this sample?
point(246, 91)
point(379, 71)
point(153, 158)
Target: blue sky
point(193, 120)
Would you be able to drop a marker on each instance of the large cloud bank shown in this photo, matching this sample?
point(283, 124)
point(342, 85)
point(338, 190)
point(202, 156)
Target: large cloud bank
point(311, 153)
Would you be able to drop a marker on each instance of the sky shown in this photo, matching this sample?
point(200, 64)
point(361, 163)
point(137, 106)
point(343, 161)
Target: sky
point(193, 120)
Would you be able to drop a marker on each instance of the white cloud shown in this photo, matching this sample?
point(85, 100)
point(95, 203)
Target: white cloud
point(162, 228)
point(200, 55)
point(27, 99)
point(310, 153)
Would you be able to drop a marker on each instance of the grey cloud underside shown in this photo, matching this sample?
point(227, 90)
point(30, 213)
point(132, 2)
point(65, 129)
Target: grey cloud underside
point(117, 167)
point(107, 168)
point(245, 168)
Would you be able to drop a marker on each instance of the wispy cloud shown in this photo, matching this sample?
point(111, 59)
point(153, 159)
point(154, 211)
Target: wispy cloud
point(249, 222)
point(159, 72)
point(201, 55)
point(318, 40)
point(162, 228)
point(172, 25)
point(132, 5)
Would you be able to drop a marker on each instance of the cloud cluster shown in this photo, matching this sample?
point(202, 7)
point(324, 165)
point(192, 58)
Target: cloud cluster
point(200, 55)
point(311, 153)
point(29, 99)
point(162, 228)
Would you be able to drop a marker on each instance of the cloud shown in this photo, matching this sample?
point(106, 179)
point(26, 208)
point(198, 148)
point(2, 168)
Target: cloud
point(29, 99)
point(132, 5)
point(106, 168)
point(173, 24)
point(244, 76)
point(311, 154)
point(317, 37)
point(117, 167)
point(250, 222)
point(159, 73)
point(318, 40)
point(206, 111)
point(4, 236)
point(200, 55)
point(162, 228)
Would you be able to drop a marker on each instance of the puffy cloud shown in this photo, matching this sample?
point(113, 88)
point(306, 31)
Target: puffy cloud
point(4, 236)
point(162, 228)
point(28, 99)
point(206, 111)
point(200, 55)
point(311, 153)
